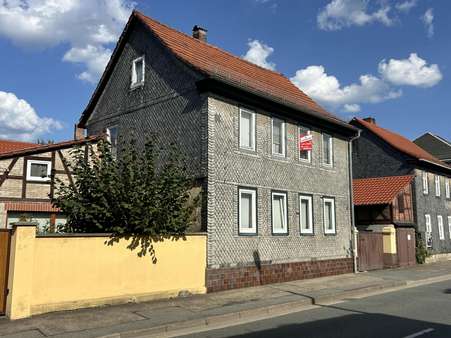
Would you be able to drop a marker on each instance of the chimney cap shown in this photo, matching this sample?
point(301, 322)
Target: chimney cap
point(199, 28)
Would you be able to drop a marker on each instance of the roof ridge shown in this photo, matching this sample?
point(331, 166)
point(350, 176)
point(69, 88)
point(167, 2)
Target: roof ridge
point(138, 13)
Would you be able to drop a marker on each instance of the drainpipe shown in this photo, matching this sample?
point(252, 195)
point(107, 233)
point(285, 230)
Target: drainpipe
point(353, 227)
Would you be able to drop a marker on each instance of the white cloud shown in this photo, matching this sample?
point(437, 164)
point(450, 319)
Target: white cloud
point(339, 14)
point(351, 108)
point(83, 25)
point(19, 121)
point(327, 90)
point(406, 6)
point(428, 21)
point(258, 53)
point(413, 71)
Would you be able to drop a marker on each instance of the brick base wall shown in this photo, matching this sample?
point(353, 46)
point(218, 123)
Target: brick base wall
point(240, 277)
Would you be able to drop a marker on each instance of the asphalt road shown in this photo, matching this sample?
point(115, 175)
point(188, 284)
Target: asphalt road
point(417, 312)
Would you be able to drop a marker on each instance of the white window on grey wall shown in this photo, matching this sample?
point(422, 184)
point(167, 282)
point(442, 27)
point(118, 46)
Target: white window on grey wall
point(328, 150)
point(247, 129)
point(278, 137)
point(304, 155)
point(329, 215)
point(437, 186)
point(441, 231)
point(279, 213)
point(305, 214)
point(112, 137)
point(449, 226)
point(38, 170)
point(247, 211)
point(427, 218)
point(425, 183)
point(447, 189)
point(138, 72)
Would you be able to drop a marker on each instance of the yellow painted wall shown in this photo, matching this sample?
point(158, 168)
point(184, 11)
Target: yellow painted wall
point(74, 272)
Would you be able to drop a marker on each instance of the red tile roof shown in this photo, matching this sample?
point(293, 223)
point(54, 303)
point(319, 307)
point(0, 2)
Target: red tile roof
point(378, 190)
point(10, 145)
point(218, 64)
point(31, 207)
point(42, 148)
point(400, 143)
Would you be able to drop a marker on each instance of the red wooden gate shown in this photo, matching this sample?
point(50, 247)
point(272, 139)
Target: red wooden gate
point(5, 239)
point(370, 250)
point(405, 243)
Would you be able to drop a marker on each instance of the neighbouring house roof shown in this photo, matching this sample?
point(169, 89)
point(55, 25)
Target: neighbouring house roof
point(401, 143)
point(43, 148)
point(378, 190)
point(31, 207)
point(11, 145)
point(220, 65)
point(436, 145)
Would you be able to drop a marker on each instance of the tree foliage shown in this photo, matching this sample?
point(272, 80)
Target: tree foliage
point(129, 197)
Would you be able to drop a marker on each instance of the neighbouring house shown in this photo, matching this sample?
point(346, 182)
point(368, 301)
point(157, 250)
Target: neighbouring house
point(436, 145)
point(384, 206)
point(272, 211)
point(379, 153)
point(27, 181)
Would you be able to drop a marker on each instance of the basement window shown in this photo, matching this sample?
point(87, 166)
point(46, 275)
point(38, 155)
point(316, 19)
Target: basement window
point(138, 71)
point(38, 170)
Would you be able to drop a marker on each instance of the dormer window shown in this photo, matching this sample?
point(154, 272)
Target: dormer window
point(138, 68)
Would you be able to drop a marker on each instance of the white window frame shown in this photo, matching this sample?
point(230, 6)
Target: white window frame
point(437, 186)
point(284, 230)
point(441, 230)
point(252, 129)
point(428, 222)
point(36, 178)
point(334, 228)
point(134, 79)
point(308, 198)
point(309, 152)
point(449, 226)
point(283, 137)
point(331, 152)
point(425, 183)
point(253, 229)
point(447, 188)
point(108, 135)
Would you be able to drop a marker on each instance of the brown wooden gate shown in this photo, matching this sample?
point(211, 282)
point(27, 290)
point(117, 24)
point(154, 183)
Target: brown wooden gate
point(405, 243)
point(5, 239)
point(370, 250)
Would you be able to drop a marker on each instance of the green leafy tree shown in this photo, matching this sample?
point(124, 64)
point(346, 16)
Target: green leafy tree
point(128, 197)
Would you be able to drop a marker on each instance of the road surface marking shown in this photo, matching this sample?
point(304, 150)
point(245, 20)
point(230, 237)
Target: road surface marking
point(420, 333)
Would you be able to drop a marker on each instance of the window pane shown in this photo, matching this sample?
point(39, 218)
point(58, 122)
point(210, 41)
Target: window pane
point(246, 211)
point(277, 136)
point(303, 154)
point(112, 138)
point(327, 158)
point(327, 215)
point(246, 129)
point(278, 211)
point(139, 71)
point(38, 170)
point(305, 225)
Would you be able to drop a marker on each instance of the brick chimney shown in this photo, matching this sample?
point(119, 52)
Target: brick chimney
point(371, 120)
point(79, 133)
point(200, 33)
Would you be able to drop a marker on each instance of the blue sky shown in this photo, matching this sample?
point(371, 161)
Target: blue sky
point(386, 59)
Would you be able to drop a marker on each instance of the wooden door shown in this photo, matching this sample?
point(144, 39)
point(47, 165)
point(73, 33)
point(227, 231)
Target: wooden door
point(405, 242)
point(370, 251)
point(5, 239)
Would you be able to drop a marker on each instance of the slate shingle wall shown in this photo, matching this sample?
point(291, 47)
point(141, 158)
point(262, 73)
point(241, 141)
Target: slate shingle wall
point(229, 167)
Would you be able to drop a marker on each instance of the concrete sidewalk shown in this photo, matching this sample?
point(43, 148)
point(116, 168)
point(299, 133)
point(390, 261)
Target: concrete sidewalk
point(219, 309)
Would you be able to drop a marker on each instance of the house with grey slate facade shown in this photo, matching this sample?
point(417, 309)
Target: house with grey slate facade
point(272, 212)
point(380, 152)
point(436, 145)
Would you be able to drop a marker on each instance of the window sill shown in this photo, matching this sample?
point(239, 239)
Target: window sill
point(136, 86)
